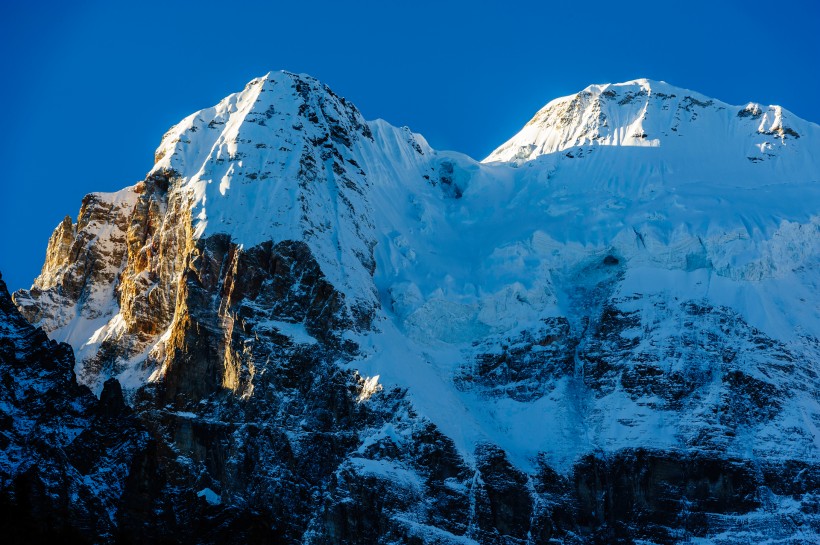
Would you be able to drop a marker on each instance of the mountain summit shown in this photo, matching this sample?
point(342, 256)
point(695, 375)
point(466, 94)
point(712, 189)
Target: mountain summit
point(329, 332)
point(655, 114)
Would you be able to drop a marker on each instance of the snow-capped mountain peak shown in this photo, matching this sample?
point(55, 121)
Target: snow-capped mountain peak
point(645, 112)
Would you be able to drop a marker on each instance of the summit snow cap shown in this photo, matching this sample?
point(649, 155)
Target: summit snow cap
point(648, 113)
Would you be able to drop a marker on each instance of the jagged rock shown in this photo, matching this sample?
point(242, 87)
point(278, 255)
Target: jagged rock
point(64, 457)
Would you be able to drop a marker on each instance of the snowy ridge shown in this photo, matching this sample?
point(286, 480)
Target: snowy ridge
point(646, 113)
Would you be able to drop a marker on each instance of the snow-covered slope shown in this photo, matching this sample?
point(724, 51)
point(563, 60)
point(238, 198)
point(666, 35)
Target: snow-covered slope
point(637, 268)
point(690, 218)
point(277, 162)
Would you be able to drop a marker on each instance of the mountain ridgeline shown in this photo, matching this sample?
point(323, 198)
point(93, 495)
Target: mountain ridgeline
point(305, 327)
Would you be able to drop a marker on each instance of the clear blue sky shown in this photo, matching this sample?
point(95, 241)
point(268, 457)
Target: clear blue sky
point(89, 87)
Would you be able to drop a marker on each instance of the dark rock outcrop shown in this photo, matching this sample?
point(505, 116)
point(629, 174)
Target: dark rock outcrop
point(65, 457)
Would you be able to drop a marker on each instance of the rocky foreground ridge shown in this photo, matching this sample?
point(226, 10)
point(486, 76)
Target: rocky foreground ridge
point(304, 327)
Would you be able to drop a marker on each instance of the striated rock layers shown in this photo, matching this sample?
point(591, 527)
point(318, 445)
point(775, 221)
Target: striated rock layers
point(303, 327)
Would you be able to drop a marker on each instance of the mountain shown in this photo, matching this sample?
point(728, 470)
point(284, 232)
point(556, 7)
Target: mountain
point(329, 332)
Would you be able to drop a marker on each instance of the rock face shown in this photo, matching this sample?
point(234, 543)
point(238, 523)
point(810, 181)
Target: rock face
point(67, 458)
point(303, 327)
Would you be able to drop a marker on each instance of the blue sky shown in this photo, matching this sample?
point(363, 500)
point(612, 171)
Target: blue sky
point(89, 87)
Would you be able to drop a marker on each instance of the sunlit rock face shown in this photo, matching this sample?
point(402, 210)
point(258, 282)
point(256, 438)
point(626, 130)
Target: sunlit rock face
point(304, 327)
